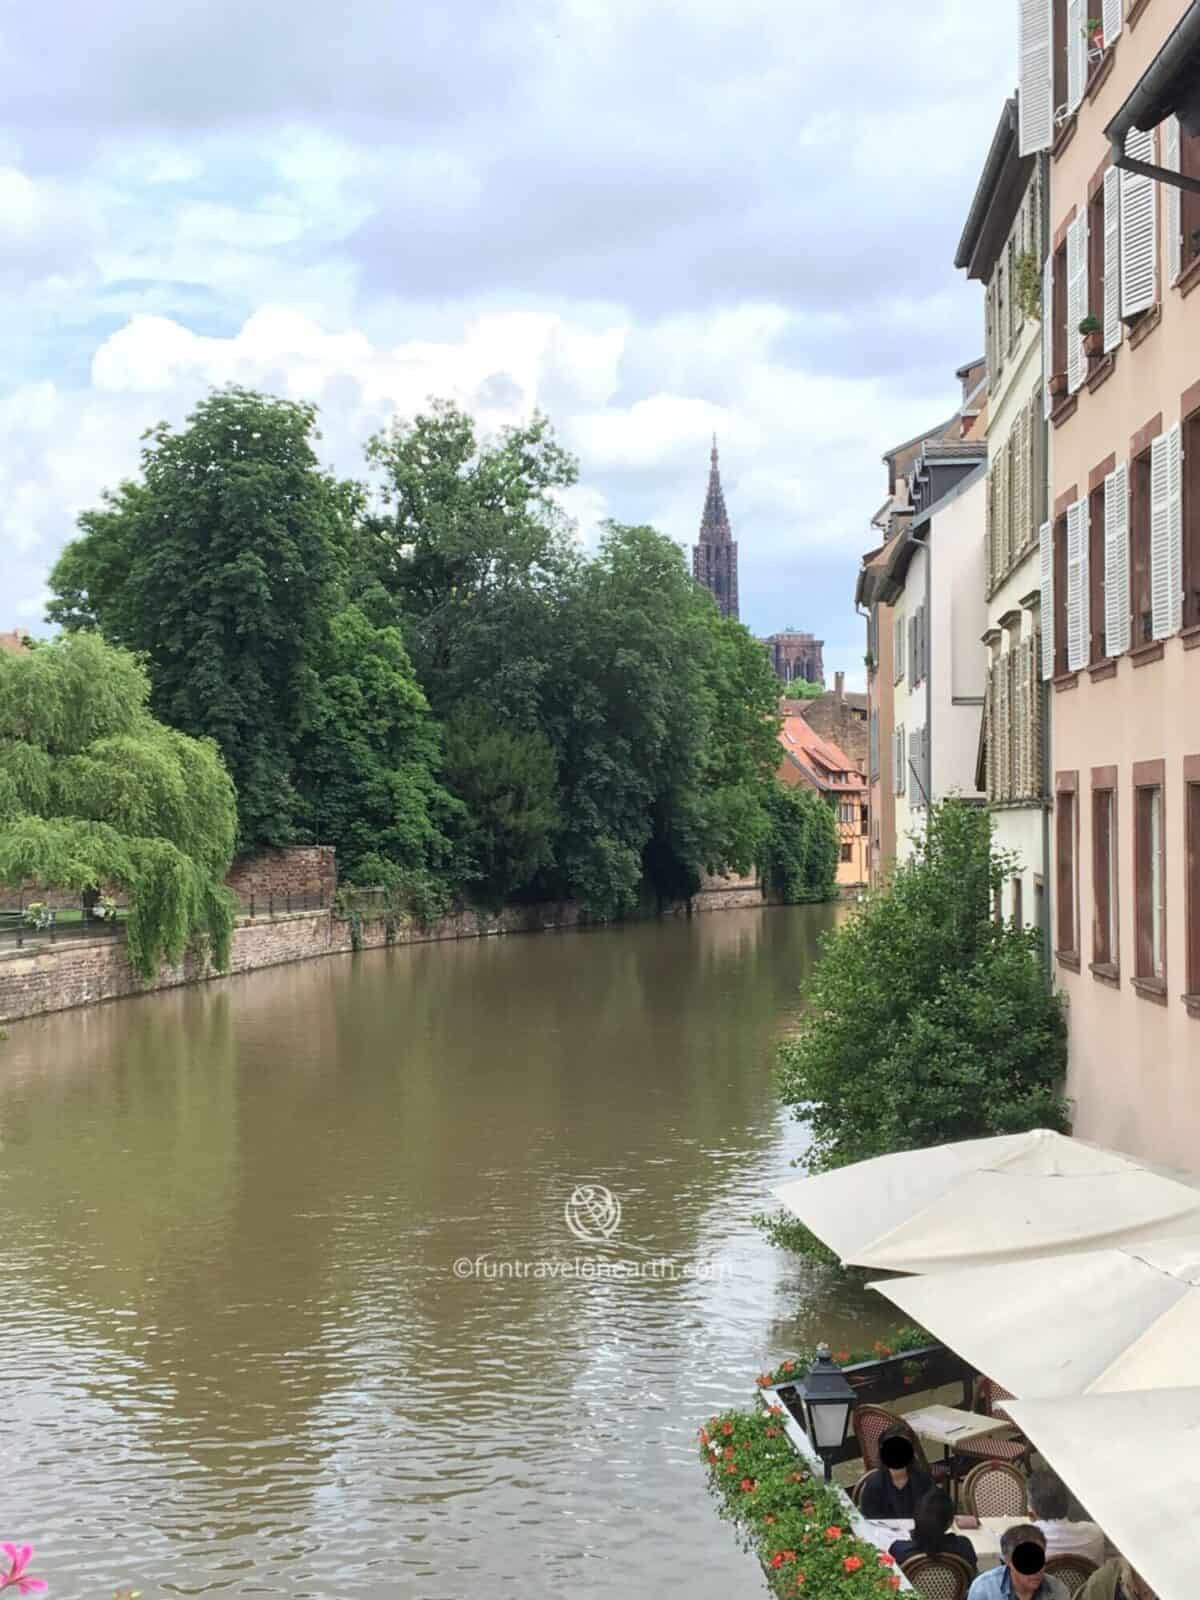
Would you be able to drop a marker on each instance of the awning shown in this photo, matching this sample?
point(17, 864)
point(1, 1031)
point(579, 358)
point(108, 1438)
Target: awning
point(991, 1201)
point(1095, 1322)
point(1134, 1461)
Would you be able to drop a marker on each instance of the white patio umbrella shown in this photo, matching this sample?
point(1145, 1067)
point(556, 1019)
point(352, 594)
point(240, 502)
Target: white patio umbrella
point(1134, 1462)
point(991, 1200)
point(1088, 1323)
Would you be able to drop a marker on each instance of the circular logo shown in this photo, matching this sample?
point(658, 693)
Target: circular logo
point(592, 1212)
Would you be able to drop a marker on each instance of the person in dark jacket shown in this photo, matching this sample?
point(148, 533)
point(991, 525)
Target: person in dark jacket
point(894, 1489)
point(931, 1534)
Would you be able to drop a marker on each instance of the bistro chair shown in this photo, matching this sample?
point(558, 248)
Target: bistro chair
point(940, 1577)
point(1072, 1571)
point(870, 1425)
point(988, 1399)
point(995, 1489)
point(856, 1492)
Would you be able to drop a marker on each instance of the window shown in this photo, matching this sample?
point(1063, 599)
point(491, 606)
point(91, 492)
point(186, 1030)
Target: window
point(1095, 256)
point(1018, 914)
point(1150, 888)
point(1189, 165)
point(1191, 775)
point(847, 852)
point(1058, 315)
point(1191, 520)
point(1139, 550)
point(1095, 538)
point(1060, 589)
point(898, 647)
point(865, 814)
point(1066, 835)
point(1104, 871)
point(1060, 51)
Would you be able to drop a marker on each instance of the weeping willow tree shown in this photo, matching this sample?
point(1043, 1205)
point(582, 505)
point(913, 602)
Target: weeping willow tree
point(94, 792)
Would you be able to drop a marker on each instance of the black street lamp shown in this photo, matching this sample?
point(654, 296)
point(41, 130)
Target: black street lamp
point(828, 1402)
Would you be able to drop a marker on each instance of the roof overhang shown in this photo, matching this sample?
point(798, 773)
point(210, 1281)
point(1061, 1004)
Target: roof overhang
point(997, 199)
point(1170, 86)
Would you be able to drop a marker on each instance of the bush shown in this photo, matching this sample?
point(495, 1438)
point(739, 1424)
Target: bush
point(926, 1020)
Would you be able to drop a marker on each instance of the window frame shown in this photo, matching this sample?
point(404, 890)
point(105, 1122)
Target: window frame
point(1189, 432)
point(1191, 824)
point(1141, 622)
point(1066, 869)
point(1106, 905)
point(1059, 562)
point(1150, 979)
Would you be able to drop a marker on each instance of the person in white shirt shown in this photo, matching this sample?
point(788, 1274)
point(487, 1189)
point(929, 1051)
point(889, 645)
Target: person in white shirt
point(1048, 1507)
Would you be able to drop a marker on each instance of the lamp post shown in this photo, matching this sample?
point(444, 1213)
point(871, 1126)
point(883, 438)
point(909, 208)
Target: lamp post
point(828, 1402)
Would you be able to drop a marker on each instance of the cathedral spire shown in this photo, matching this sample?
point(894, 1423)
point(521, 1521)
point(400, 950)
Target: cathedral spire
point(714, 556)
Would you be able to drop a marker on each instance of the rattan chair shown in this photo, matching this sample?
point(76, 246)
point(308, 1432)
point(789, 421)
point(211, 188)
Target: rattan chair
point(988, 1398)
point(1072, 1571)
point(856, 1492)
point(870, 1425)
point(995, 1489)
point(940, 1577)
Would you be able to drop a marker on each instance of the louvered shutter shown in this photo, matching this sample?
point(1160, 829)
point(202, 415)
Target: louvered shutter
point(1046, 573)
point(1036, 76)
point(1047, 333)
point(1020, 505)
point(1077, 299)
point(1116, 561)
point(1113, 330)
point(1111, 19)
point(1137, 229)
point(898, 648)
point(1173, 202)
point(1037, 470)
point(1160, 538)
point(989, 732)
point(1175, 529)
point(901, 758)
point(1035, 717)
point(1002, 502)
point(989, 529)
point(1076, 54)
point(1025, 680)
point(1076, 648)
point(914, 758)
point(924, 641)
point(1004, 739)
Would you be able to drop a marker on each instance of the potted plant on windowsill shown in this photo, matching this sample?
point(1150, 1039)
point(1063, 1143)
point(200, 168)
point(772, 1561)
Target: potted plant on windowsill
point(1058, 385)
point(1093, 336)
point(1094, 33)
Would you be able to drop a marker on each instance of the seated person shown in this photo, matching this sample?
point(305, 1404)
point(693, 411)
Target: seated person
point(1022, 1577)
point(1116, 1580)
point(894, 1489)
point(1049, 1504)
point(931, 1534)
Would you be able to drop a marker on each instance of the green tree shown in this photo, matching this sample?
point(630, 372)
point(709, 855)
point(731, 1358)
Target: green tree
point(366, 766)
point(798, 860)
point(926, 1020)
point(221, 565)
point(469, 551)
point(507, 780)
point(94, 791)
point(800, 689)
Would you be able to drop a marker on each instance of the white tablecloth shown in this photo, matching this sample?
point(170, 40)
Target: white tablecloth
point(985, 1538)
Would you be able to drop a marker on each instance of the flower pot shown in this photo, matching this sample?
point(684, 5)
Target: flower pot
point(1093, 343)
point(1058, 383)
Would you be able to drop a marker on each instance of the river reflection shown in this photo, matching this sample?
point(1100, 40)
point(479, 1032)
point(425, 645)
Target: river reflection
point(234, 1354)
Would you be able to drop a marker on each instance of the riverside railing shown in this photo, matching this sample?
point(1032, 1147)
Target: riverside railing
point(37, 923)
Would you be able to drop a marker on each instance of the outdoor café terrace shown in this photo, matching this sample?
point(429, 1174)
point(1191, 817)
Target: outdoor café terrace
point(1060, 1287)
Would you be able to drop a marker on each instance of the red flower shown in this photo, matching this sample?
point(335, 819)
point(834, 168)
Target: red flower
point(852, 1563)
point(728, 1452)
point(809, 1508)
point(727, 1428)
point(731, 1470)
point(833, 1533)
point(772, 1433)
point(776, 1411)
point(748, 1485)
point(777, 1559)
point(763, 1380)
point(842, 1356)
point(768, 1517)
point(703, 1435)
point(798, 1477)
point(886, 1560)
point(787, 1366)
point(893, 1583)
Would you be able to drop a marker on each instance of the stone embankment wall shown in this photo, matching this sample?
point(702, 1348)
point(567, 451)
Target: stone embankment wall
point(42, 976)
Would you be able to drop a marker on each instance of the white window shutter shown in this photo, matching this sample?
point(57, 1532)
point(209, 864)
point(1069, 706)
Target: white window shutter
point(1113, 330)
point(1047, 333)
point(1046, 564)
point(1111, 19)
point(1076, 54)
point(1076, 544)
point(898, 647)
point(1036, 76)
point(1085, 581)
point(1077, 299)
point(1173, 201)
point(1175, 529)
point(1138, 287)
point(1116, 562)
point(1160, 539)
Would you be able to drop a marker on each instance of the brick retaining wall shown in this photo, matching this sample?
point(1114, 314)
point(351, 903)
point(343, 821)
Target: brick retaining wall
point(299, 870)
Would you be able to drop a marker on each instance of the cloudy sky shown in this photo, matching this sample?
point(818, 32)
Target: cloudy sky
point(651, 218)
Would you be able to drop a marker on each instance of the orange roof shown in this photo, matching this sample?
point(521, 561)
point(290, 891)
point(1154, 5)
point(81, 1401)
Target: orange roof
point(13, 642)
point(829, 767)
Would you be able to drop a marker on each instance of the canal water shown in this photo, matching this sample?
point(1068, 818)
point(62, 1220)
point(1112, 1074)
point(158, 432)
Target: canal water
point(291, 1305)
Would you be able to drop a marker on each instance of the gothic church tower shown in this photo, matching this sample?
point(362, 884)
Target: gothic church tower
point(714, 558)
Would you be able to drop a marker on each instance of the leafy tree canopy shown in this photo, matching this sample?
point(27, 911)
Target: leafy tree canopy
point(94, 791)
point(926, 1020)
point(798, 858)
point(221, 565)
point(801, 689)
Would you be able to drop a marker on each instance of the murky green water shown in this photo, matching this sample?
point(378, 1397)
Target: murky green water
point(234, 1353)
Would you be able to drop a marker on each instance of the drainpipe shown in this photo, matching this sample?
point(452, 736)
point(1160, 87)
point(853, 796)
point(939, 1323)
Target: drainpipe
point(1168, 84)
point(1043, 686)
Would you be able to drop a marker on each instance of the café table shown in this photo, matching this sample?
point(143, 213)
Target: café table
point(985, 1538)
point(949, 1427)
